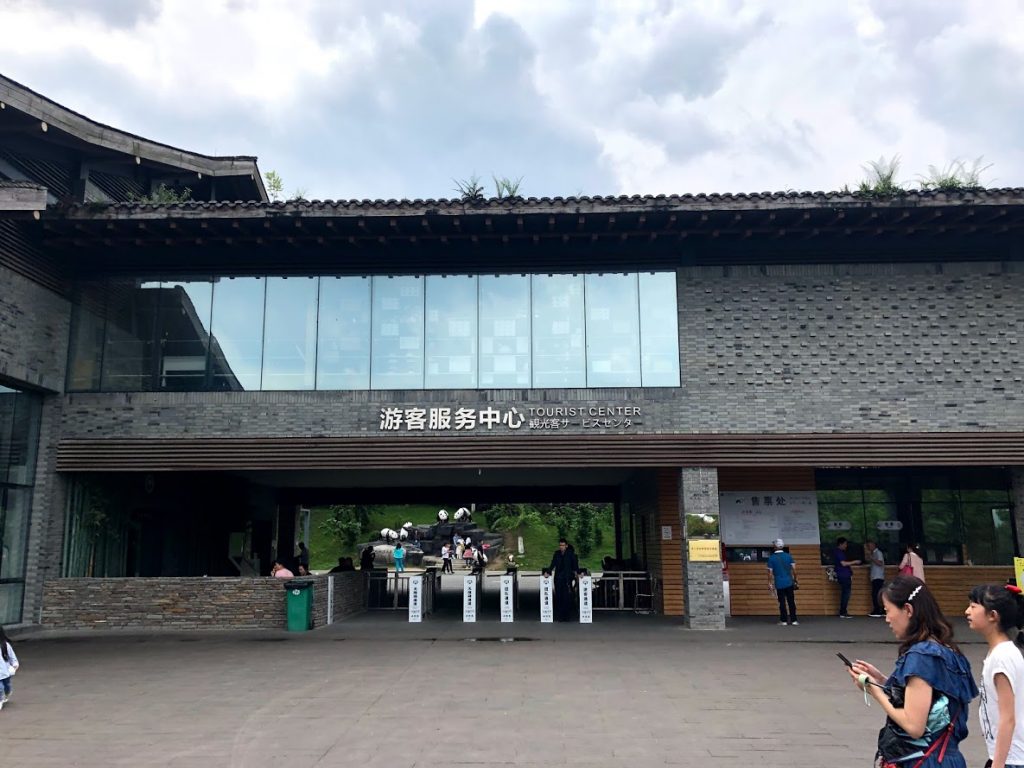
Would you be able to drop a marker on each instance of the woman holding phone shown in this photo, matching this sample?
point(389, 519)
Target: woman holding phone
point(996, 612)
point(926, 697)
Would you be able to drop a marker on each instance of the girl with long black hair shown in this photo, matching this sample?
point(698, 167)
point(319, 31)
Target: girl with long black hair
point(996, 612)
point(926, 697)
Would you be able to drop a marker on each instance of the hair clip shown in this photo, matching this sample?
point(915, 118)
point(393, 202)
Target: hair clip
point(914, 593)
point(1013, 588)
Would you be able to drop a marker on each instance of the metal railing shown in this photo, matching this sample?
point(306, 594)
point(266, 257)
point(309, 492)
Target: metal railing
point(389, 590)
point(619, 590)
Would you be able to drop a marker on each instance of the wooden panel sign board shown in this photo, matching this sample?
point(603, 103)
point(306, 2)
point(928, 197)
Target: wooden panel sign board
point(757, 518)
point(415, 599)
point(507, 607)
point(469, 598)
point(586, 600)
point(547, 600)
point(704, 550)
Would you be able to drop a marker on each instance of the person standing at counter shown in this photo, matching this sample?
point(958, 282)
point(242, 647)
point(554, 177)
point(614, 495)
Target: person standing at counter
point(844, 575)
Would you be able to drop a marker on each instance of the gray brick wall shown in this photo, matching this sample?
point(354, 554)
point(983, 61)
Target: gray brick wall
point(854, 348)
point(34, 326)
point(705, 593)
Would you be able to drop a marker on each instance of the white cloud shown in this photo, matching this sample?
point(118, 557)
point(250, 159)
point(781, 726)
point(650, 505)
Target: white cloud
point(392, 99)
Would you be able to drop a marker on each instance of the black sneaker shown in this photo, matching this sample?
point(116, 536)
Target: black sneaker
point(845, 616)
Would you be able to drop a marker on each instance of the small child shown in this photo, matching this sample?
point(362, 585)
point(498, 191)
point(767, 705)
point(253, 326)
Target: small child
point(8, 666)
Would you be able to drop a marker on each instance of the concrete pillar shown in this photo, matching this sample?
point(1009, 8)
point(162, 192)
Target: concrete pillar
point(1017, 497)
point(702, 581)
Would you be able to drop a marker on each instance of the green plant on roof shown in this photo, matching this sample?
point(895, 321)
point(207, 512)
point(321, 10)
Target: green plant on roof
point(163, 195)
point(470, 190)
point(881, 178)
point(506, 188)
point(955, 177)
point(275, 186)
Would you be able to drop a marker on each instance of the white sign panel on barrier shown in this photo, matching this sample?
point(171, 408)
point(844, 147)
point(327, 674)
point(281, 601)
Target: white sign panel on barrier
point(416, 598)
point(507, 607)
point(547, 600)
point(469, 598)
point(586, 600)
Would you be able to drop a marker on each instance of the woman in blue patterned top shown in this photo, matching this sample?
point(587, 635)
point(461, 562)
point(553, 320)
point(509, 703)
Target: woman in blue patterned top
point(926, 697)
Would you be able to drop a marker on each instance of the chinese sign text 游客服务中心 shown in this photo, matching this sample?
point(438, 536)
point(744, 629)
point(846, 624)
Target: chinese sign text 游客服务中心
point(416, 419)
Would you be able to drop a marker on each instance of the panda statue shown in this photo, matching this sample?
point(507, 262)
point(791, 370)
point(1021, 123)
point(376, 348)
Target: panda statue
point(403, 534)
point(388, 535)
point(407, 525)
point(442, 515)
point(463, 515)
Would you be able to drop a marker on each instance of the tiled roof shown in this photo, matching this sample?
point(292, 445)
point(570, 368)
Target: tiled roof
point(607, 204)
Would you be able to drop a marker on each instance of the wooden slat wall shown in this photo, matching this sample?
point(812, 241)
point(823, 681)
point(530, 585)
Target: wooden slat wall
point(671, 552)
point(796, 451)
point(748, 586)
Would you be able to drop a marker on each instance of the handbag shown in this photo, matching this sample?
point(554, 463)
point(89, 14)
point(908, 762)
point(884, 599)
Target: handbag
point(906, 570)
point(897, 748)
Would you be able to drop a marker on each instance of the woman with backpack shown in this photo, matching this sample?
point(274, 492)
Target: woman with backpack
point(996, 612)
point(926, 697)
point(8, 666)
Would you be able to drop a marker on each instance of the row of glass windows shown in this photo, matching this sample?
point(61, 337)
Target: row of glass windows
point(19, 436)
point(380, 332)
point(957, 516)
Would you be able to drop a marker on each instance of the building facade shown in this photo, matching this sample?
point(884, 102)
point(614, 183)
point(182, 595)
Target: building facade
point(722, 368)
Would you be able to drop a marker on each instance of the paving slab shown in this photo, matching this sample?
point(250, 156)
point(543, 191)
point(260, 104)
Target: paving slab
point(376, 690)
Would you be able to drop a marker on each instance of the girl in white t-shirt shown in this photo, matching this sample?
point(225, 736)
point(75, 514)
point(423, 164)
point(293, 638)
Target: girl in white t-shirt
point(996, 612)
point(8, 666)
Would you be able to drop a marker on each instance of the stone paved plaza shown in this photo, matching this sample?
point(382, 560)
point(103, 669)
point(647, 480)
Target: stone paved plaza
point(375, 690)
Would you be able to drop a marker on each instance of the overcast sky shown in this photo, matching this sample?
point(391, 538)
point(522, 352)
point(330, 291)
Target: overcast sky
point(395, 98)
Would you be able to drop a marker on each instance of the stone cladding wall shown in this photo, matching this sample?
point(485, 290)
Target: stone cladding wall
point(187, 603)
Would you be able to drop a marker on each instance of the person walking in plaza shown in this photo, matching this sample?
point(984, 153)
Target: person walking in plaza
point(366, 558)
point(876, 559)
point(446, 558)
point(996, 612)
point(564, 569)
point(927, 696)
point(912, 564)
point(8, 666)
point(844, 575)
point(399, 557)
point(782, 581)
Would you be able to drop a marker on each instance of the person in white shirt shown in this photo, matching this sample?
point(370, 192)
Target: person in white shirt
point(996, 612)
point(8, 666)
point(876, 559)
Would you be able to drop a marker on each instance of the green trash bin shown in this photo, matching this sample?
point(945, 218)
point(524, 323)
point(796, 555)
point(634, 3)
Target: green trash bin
point(299, 602)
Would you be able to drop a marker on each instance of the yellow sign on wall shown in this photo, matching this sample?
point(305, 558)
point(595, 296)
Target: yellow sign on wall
point(705, 550)
point(1018, 570)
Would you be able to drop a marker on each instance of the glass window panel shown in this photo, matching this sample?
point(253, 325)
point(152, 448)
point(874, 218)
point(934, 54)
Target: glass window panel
point(613, 331)
point(397, 333)
point(659, 329)
point(559, 352)
point(451, 332)
point(8, 401)
point(988, 536)
point(343, 340)
point(183, 328)
point(940, 522)
point(289, 345)
point(10, 603)
point(236, 349)
point(504, 331)
point(14, 512)
point(85, 355)
point(24, 438)
point(130, 333)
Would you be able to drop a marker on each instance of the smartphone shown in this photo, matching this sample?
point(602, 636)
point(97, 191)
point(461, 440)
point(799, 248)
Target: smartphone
point(845, 660)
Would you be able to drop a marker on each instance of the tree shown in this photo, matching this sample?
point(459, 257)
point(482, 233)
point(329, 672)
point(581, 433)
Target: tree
point(345, 522)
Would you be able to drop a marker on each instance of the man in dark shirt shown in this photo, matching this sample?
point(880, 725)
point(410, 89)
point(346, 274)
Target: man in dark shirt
point(844, 575)
point(564, 567)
